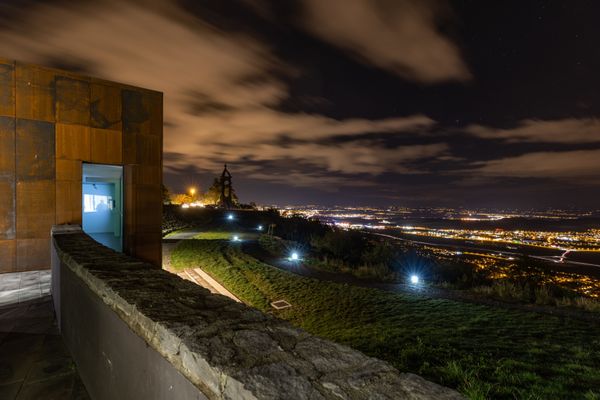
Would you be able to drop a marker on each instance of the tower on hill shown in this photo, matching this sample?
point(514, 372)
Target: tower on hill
point(226, 200)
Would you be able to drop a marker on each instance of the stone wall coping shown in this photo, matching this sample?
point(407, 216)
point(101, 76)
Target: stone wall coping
point(227, 349)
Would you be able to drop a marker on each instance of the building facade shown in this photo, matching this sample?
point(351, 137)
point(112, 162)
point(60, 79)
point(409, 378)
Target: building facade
point(55, 126)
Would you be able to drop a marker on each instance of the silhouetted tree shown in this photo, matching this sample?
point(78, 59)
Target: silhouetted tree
point(213, 194)
point(180, 198)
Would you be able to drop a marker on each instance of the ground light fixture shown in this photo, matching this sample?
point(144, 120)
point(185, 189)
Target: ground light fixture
point(236, 238)
point(294, 256)
point(414, 279)
point(260, 228)
point(230, 217)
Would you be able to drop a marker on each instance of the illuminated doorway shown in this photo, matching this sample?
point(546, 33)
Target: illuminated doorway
point(102, 204)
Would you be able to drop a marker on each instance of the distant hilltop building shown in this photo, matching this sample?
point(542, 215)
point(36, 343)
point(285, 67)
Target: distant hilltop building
point(226, 197)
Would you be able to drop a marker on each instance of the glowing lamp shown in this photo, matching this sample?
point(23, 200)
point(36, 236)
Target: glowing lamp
point(236, 238)
point(294, 256)
point(230, 217)
point(260, 227)
point(414, 279)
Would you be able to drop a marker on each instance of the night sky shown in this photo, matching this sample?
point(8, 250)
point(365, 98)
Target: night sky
point(350, 102)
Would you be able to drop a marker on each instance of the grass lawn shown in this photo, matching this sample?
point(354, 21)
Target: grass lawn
point(482, 351)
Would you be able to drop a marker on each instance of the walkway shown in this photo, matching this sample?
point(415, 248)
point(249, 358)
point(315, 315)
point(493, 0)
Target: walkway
point(34, 362)
point(17, 287)
point(194, 273)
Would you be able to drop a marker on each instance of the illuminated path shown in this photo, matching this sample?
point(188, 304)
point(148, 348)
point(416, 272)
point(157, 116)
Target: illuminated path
point(192, 274)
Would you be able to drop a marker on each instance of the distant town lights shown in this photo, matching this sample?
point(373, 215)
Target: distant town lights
point(414, 279)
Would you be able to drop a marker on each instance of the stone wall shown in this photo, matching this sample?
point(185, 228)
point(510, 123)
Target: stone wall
point(225, 349)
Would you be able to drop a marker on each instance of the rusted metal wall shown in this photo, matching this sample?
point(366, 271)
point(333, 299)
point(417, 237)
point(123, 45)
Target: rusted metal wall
point(51, 122)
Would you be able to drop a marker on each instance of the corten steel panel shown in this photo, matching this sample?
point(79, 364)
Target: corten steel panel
point(35, 208)
point(7, 178)
point(35, 150)
point(8, 256)
point(7, 209)
point(129, 148)
point(7, 89)
point(68, 202)
point(147, 207)
point(106, 146)
point(143, 217)
point(72, 101)
point(129, 212)
point(148, 175)
point(35, 94)
point(68, 170)
point(105, 106)
point(156, 113)
point(148, 149)
point(7, 146)
point(148, 247)
point(73, 142)
point(136, 112)
point(33, 254)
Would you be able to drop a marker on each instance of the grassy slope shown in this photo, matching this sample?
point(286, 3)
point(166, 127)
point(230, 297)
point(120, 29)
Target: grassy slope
point(484, 352)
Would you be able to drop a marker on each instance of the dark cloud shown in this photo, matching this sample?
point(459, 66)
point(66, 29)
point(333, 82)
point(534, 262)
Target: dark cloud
point(568, 130)
point(577, 165)
point(401, 36)
point(330, 97)
point(201, 104)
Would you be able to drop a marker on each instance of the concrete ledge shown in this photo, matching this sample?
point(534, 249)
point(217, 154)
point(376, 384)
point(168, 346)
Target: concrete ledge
point(225, 349)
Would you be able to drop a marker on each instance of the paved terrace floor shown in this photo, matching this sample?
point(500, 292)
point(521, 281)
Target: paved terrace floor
point(18, 287)
point(34, 362)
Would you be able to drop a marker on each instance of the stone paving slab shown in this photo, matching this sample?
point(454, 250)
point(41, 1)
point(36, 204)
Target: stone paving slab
point(34, 362)
point(17, 287)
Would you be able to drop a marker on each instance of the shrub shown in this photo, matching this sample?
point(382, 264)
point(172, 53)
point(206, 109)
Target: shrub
point(506, 290)
point(348, 246)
